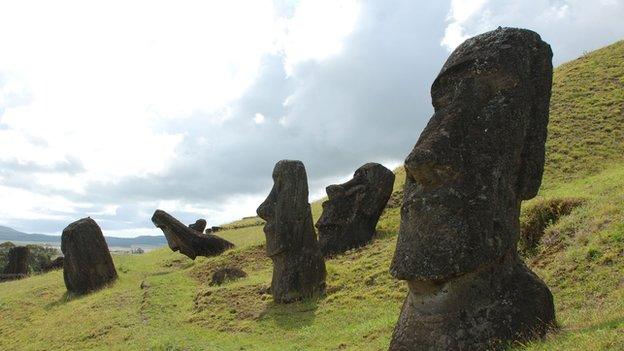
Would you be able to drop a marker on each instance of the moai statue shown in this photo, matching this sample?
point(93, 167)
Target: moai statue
point(188, 241)
point(352, 210)
point(479, 156)
point(17, 266)
point(87, 264)
point(298, 266)
point(199, 225)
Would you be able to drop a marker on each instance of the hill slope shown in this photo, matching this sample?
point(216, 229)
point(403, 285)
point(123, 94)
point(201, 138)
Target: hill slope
point(163, 301)
point(586, 129)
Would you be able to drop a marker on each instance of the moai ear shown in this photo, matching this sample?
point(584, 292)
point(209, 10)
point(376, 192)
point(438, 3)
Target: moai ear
point(533, 155)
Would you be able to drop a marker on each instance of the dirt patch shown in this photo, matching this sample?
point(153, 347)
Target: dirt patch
point(224, 308)
point(249, 259)
point(537, 217)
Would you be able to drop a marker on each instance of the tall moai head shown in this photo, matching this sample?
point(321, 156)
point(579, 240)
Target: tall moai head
point(286, 210)
point(298, 266)
point(352, 209)
point(479, 156)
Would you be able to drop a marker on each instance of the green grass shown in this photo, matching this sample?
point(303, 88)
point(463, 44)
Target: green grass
point(586, 129)
point(162, 300)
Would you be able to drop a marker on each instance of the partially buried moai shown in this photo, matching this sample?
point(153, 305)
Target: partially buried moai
point(352, 209)
point(198, 226)
point(479, 156)
point(17, 267)
point(298, 266)
point(88, 264)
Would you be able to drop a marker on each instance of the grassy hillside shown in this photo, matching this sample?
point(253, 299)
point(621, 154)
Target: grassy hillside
point(586, 129)
point(163, 301)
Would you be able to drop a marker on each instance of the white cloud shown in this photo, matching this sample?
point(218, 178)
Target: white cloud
point(461, 11)
point(116, 108)
point(317, 30)
point(570, 26)
point(258, 118)
point(99, 82)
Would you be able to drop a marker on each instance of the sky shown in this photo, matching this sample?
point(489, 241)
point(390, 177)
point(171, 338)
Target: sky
point(113, 109)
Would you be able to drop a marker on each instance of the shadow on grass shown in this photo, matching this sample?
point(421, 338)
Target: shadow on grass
point(294, 315)
point(65, 298)
point(69, 296)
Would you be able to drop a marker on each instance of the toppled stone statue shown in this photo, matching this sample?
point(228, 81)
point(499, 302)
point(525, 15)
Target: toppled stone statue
point(212, 230)
point(17, 267)
point(226, 273)
point(57, 263)
point(352, 210)
point(88, 264)
point(198, 226)
point(298, 266)
point(186, 240)
point(479, 156)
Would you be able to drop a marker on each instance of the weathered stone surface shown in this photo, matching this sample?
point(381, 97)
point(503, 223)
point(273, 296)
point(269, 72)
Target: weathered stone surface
point(481, 310)
point(352, 210)
point(186, 240)
point(199, 225)
point(226, 273)
point(298, 266)
point(87, 265)
point(479, 156)
point(17, 266)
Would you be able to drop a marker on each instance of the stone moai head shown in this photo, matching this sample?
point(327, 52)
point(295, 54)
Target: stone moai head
point(352, 209)
point(286, 210)
point(199, 225)
point(479, 156)
point(18, 261)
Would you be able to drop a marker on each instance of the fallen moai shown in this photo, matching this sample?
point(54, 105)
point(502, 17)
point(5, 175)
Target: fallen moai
point(352, 209)
point(479, 156)
point(87, 264)
point(298, 265)
point(57, 263)
point(186, 240)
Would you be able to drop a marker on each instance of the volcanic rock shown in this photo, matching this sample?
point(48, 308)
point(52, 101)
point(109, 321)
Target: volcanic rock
point(226, 273)
point(17, 267)
point(479, 156)
point(186, 240)
point(352, 210)
point(88, 264)
point(298, 265)
point(198, 226)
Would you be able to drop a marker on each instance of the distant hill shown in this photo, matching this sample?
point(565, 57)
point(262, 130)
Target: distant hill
point(10, 234)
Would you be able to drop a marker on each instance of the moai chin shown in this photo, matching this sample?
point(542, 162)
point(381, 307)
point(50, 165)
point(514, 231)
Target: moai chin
point(479, 156)
point(352, 209)
point(298, 266)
